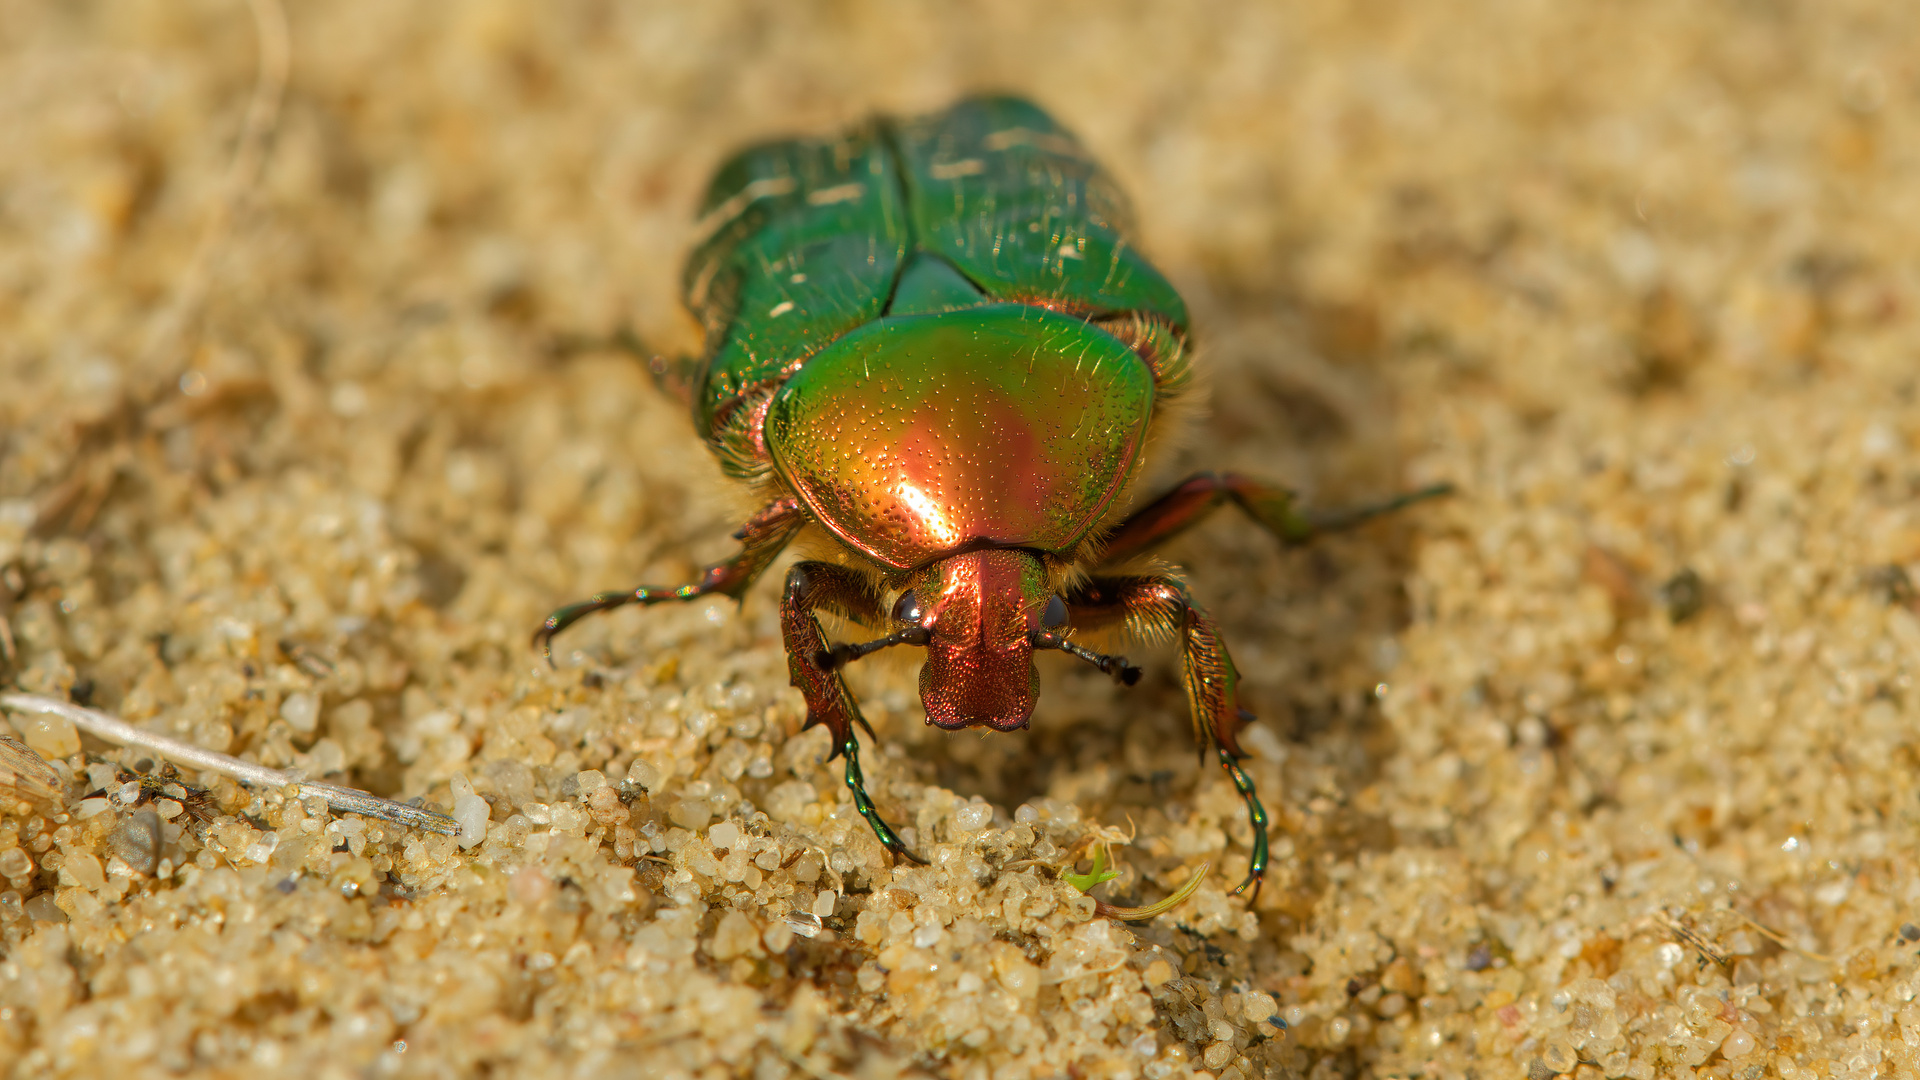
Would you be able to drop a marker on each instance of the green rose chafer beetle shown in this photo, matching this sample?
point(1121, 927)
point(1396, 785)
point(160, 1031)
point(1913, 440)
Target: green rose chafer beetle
point(930, 343)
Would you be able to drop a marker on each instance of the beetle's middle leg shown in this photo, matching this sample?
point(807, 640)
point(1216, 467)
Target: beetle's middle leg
point(815, 672)
point(762, 539)
point(1272, 506)
point(1156, 607)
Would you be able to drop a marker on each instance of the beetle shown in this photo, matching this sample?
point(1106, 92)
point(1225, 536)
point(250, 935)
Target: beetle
point(932, 349)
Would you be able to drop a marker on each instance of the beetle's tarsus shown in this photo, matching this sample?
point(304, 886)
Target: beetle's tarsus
point(1346, 517)
point(857, 783)
point(762, 538)
point(573, 613)
point(1257, 817)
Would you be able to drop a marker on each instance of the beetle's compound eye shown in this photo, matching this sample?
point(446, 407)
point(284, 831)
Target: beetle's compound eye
point(1055, 616)
point(907, 608)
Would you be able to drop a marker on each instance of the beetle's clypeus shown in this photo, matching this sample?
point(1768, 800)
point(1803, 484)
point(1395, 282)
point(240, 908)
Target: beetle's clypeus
point(930, 343)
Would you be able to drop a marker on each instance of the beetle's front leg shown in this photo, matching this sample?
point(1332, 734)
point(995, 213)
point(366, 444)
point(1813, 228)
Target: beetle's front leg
point(812, 586)
point(1157, 606)
point(762, 539)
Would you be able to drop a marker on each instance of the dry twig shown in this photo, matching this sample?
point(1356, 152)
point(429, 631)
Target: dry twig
point(341, 799)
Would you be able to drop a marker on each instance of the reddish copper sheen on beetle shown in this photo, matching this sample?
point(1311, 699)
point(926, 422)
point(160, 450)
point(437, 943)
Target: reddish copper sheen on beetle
point(931, 344)
point(1002, 424)
point(982, 610)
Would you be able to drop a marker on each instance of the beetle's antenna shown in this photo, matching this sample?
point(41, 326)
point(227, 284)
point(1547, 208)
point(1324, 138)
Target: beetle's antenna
point(843, 654)
point(1123, 672)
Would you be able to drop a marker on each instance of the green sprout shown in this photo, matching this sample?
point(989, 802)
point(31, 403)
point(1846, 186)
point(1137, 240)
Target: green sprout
point(1099, 873)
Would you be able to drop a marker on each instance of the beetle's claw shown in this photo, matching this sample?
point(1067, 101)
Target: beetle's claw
point(904, 852)
point(1256, 880)
point(543, 640)
point(1257, 818)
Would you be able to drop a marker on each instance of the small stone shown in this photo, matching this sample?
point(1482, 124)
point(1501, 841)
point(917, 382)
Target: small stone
point(83, 870)
point(806, 870)
point(735, 936)
point(261, 849)
point(136, 841)
point(972, 817)
point(530, 887)
point(567, 818)
point(15, 863)
point(50, 736)
point(788, 802)
point(301, 711)
point(1890, 583)
point(1684, 594)
point(777, 938)
point(724, 835)
point(1021, 978)
point(42, 909)
point(583, 784)
point(692, 814)
point(471, 811)
point(643, 775)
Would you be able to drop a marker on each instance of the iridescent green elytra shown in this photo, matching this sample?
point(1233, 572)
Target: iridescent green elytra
point(932, 346)
point(810, 239)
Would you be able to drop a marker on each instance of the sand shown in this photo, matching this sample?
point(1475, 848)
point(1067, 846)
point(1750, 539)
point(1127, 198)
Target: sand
point(323, 381)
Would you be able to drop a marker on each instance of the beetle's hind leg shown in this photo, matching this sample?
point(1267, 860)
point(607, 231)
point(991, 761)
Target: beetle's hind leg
point(815, 672)
point(1273, 507)
point(1157, 607)
point(762, 539)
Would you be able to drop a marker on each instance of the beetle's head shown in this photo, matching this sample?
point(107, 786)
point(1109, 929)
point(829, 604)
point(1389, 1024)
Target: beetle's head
point(981, 611)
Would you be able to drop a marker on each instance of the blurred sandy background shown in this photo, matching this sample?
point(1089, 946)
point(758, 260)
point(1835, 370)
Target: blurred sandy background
point(321, 341)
